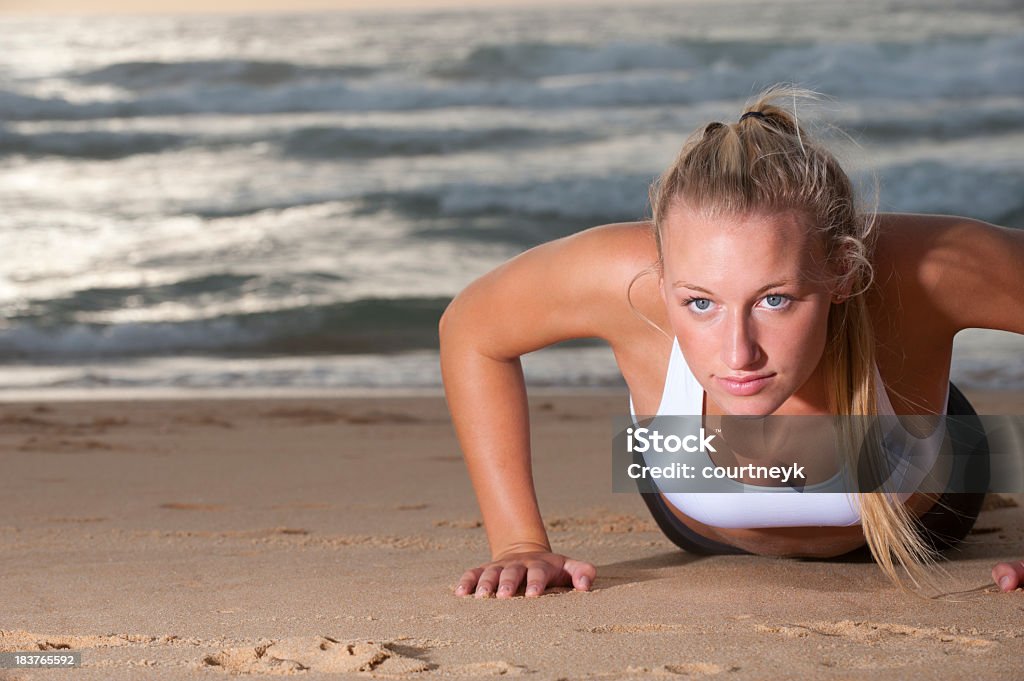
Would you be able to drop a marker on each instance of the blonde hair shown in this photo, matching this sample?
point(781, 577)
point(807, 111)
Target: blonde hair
point(766, 163)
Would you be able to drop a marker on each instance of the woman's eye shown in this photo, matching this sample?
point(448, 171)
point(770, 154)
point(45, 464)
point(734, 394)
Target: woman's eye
point(776, 302)
point(699, 304)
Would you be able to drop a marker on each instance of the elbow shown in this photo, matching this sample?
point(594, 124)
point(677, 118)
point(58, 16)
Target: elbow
point(447, 322)
point(458, 330)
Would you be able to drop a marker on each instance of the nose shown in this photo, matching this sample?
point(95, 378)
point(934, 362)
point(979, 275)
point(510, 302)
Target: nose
point(739, 348)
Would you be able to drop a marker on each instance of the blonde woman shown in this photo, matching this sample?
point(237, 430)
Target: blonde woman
point(757, 288)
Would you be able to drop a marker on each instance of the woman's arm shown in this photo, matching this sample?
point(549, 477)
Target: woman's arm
point(964, 273)
point(560, 290)
point(972, 276)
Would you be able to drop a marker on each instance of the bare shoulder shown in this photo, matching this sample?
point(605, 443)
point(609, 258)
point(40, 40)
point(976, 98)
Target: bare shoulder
point(623, 262)
point(573, 287)
point(614, 254)
point(949, 273)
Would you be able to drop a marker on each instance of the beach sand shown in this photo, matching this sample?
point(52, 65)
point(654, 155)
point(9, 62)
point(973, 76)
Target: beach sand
point(323, 538)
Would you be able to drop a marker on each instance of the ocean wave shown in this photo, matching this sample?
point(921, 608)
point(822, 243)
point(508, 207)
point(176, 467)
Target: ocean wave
point(594, 200)
point(314, 142)
point(64, 310)
point(255, 206)
point(940, 124)
point(991, 194)
point(144, 76)
point(957, 68)
point(960, 68)
point(579, 367)
point(479, 210)
point(331, 142)
point(88, 144)
point(619, 196)
point(17, 106)
point(534, 60)
point(360, 326)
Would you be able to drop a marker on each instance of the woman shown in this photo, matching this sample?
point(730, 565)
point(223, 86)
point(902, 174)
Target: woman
point(759, 270)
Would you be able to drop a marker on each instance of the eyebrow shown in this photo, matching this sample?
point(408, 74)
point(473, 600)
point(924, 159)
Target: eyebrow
point(766, 287)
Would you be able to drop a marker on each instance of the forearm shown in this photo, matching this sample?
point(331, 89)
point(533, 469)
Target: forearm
point(488, 405)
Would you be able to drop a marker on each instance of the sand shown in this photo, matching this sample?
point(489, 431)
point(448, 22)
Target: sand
point(322, 538)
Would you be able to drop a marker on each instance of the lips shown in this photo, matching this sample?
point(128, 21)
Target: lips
point(744, 386)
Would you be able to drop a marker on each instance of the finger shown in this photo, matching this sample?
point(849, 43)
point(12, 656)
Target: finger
point(468, 581)
point(1009, 576)
point(582, 573)
point(488, 580)
point(536, 580)
point(508, 583)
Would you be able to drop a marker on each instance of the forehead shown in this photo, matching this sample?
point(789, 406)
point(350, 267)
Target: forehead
point(719, 250)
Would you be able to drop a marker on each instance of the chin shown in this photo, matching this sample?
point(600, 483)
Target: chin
point(754, 405)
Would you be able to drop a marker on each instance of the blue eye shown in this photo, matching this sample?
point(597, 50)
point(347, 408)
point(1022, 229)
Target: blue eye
point(776, 302)
point(698, 304)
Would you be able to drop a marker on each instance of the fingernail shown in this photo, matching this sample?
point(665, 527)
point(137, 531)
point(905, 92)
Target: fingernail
point(1004, 583)
point(460, 590)
point(481, 591)
point(504, 588)
point(532, 591)
point(585, 582)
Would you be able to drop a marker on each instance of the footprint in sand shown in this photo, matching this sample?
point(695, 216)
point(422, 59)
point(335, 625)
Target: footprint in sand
point(994, 502)
point(685, 669)
point(382, 417)
point(16, 639)
point(459, 524)
point(313, 415)
point(879, 632)
point(43, 444)
point(203, 420)
point(98, 424)
point(634, 629)
point(304, 414)
point(176, 506)
point(321, 654)
point(603, 523)
point(495, 668)
point(24, 423)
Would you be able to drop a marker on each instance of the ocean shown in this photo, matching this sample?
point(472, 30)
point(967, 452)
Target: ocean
point(274, 203)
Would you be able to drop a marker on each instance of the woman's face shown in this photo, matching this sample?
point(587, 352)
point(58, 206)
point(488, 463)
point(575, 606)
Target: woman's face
point(748, 299)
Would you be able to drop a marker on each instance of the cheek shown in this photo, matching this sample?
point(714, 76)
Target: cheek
point(684, 328)
point(699, 343)
point(801, 340)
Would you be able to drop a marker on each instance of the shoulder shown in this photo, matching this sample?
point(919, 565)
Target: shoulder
point(612, 270)
point(574, 287)
point(951, 272)
point(600, 261)
point(622, 246)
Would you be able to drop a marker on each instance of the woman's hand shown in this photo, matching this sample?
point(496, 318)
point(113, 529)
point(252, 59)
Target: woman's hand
point(1009, 576)
point(539, 569)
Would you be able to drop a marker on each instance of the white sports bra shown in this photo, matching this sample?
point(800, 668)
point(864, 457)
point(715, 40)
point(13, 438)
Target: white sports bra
point(756, 506)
